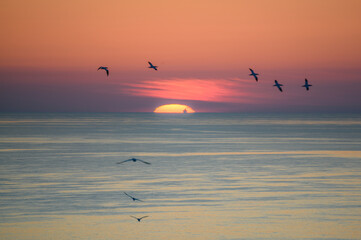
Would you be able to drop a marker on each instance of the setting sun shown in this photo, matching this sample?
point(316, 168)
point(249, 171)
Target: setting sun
point(174, 108)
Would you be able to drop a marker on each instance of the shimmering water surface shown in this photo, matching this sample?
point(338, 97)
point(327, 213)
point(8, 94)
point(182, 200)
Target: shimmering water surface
point(213, 176)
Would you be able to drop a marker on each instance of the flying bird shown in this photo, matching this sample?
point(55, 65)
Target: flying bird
point(134, 160)
point(134, 199)
point(152, 66)
point(254, 74)
point(104, 68)
point(139, 218)
point(307, 86)
point(278, 85)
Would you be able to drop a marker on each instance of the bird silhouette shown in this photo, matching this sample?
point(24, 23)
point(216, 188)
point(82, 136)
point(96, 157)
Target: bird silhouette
point(152, 66)
point(139, 218)
point(104, 68)
point(278, 85)
point(134, 160)
point(254, 74)
point(133, 198)
point(307, 86)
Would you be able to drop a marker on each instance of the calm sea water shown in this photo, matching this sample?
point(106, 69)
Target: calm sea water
point(212, 176)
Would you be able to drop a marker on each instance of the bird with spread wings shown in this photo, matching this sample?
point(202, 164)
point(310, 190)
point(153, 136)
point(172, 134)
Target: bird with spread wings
point(133, 160)
point(138, 219)
point(307, 86)
point(133, 198)
point(254, 74)
point(152, 66)
point(278, 85)
point(104, 68)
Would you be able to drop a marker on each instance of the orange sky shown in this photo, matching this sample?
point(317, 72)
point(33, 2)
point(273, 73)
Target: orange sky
point(180, 34)
point(196, 39)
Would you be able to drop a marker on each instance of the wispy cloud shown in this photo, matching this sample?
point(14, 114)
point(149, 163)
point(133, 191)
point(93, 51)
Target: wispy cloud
point(215, 90)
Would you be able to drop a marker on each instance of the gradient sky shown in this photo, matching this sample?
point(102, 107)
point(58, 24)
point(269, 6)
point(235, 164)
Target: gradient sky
point(50, 52)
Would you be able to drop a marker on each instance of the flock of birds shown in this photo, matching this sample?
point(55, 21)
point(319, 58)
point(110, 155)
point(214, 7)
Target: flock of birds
point(255, 75)
point(130, 196)
point(106, 69)
point(277, 84)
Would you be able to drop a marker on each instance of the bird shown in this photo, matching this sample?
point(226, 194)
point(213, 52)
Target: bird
point(152, 66)
point(254, 74)
point(278, 85)
point(104, 68)
point(307, 86)
point(139, 218)
point(134, 199)
point(134, 160)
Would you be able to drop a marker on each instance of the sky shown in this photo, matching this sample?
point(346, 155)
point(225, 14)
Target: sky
point(50, 52)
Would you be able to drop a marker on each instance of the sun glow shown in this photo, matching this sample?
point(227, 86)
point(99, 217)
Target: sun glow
point(174, 108)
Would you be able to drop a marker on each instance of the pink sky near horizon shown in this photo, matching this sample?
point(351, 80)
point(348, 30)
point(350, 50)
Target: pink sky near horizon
point(50, 51)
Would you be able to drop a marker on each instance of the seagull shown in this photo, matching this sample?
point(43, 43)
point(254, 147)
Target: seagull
point(278, 85)
point(152, 66)
point(134, 160)
point(139, 218)
point(104, 68)
point(134, 199)
point(254, 74)
point(307, 85)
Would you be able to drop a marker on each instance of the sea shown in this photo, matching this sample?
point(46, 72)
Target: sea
point(212, 176)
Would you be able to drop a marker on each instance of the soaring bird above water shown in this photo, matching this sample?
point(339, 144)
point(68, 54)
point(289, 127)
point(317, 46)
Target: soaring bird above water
point(134, 160)
point(307, 86)
point(138, 219)
point(104, 68)
point(152, 66)
point(133, 198)
point(278, 85)
point(254, 74)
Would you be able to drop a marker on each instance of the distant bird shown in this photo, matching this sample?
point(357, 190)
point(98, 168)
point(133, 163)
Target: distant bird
point(139, 218)
point(134, 199)
point(278, 85)
point(307, 86)
point(134, 160)
point(104, 68)
point(152, 66)
point(254, 74)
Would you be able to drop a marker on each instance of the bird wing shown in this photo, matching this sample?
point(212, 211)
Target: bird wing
point(143, 161)
point(143, 217)
point(280, 88)
point(151, 65)
point(133, 217)
point(99, 68)
point(107, 72)
point(256, 78)
point(124, 161)
point(306, 81)
point(128, 195)
point(251, 70)
point(135, 199)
